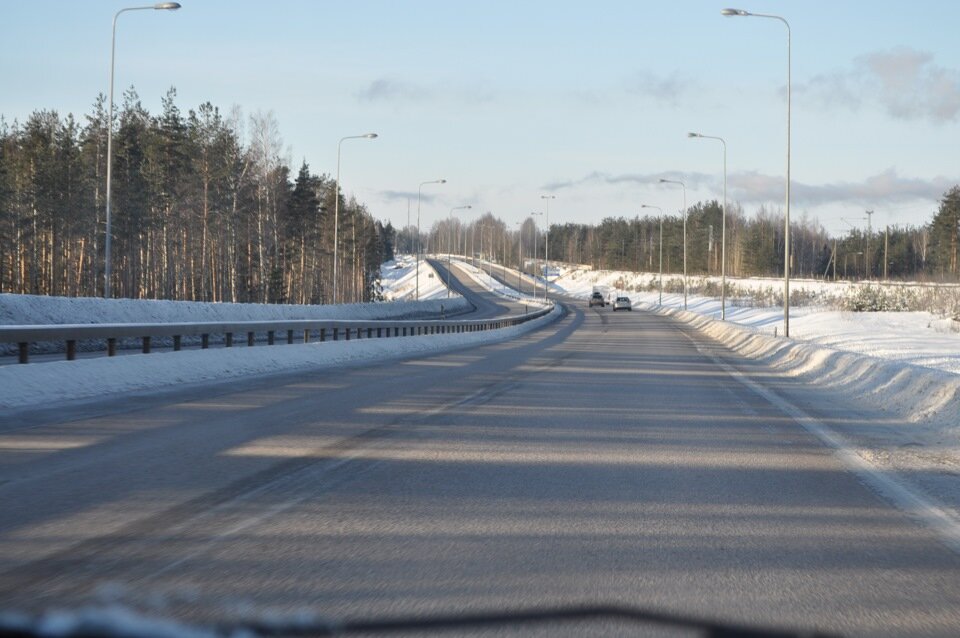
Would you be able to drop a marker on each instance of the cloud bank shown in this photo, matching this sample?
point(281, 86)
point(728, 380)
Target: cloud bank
point(753, 187)
point(905, 82)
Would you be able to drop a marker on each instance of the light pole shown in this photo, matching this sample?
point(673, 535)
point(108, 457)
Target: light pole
point(520, 258)
point(660, 301)
point(450, 243)
point(723, 227)
point(419, 192)
point(535, 234)
point(786, 232)
point(336, 210)
point(160, 6)
point(546, 280)
point(684, 186)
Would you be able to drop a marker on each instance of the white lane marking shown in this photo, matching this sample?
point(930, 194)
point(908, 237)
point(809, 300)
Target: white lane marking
point(945, 524)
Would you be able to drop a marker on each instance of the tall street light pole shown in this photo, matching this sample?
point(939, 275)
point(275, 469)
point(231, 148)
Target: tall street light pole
point(786, 232)
point(336, 210)
point(546, 204)
point(535, 234)
point(684, 186)
point(723, 226)
point(520, 258)
point(450, 243)
point(161, 6)
point(660, 302)
point(419, 193)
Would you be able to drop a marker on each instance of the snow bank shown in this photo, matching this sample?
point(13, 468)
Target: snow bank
point(912, 393)
point(34, 309)
point(35, 384)
point(37, 309)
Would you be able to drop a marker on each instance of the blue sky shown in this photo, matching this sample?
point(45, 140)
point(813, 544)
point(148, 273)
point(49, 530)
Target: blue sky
point(590, 102)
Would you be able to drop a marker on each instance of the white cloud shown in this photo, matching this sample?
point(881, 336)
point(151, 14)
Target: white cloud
point(906, 83)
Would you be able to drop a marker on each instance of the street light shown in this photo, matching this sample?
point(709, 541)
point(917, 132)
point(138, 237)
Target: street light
point(419, 191)
point(660, 302)
point(684, 186)
point(723, 226)
point(546, 204)
point(519, 258)
point(336, 208)
point(786, 234)
point(450, 243)
point(535, 233)
point(162, 6)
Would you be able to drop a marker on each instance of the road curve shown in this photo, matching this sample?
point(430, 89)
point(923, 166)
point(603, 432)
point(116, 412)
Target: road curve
point(606, 458)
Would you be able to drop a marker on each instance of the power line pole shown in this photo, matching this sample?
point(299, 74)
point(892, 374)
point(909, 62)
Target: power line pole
point(866, 257)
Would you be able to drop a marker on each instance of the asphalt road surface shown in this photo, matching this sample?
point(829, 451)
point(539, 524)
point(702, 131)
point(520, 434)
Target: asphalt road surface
point(608, 458)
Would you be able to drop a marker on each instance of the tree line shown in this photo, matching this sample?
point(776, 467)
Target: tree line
point(204, 208)
point(929, 252)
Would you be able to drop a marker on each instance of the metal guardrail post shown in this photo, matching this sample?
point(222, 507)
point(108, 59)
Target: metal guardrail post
point(270, 338)
point(24, 352)
point(176, 343)
point(229, 340)
point(146, 345)
point(71, 349)
point(249, 339)
point(205, 341)
point(112, 347)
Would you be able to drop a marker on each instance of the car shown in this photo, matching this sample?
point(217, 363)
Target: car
point(596, 299)
point(622, 303)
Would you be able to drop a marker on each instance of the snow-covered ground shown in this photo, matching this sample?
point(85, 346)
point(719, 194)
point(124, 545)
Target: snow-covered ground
point(45, 383)
point(917, 338)
point(37, 309)
point(399, 280)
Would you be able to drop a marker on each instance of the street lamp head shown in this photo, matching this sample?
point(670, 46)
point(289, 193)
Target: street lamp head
point(167, 6)
point(665, 181)
point(441, 181)
point(734, 12)
point(371, 136)
point(694, 135)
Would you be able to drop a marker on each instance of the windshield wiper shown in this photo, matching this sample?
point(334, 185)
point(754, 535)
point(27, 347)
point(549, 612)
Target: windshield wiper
point(90, 624)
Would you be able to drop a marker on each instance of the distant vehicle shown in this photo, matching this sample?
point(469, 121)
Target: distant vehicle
point(622, 303)
point(596, 299)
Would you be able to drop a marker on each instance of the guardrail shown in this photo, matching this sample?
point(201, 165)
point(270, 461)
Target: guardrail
point(332, 330)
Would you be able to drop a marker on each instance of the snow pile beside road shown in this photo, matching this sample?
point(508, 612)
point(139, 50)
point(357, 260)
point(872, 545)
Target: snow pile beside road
point(35, 309)
point(913, 393)
point(24, 385)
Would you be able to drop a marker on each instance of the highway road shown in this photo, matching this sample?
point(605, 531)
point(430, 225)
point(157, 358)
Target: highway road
point(608, 458)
